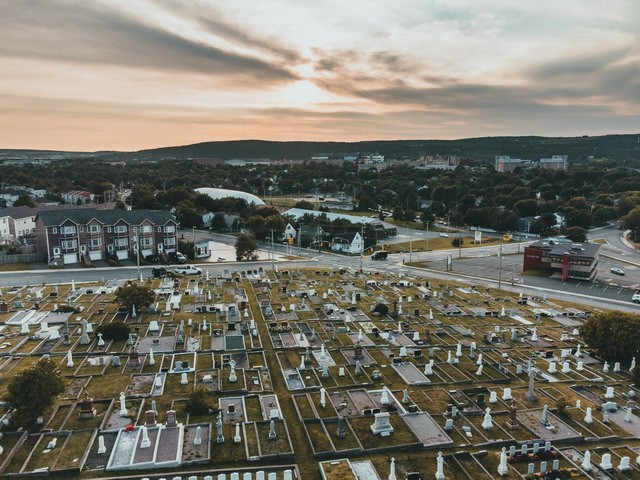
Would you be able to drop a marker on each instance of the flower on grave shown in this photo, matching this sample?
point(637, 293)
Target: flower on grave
point(129, 428)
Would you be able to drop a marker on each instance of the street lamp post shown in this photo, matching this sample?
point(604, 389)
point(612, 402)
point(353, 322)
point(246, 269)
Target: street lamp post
point(427, 235)
point(500, 268)
point(137, 245)
point(194, 242)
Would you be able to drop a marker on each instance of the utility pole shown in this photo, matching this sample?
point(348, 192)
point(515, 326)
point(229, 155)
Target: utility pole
point(273, 253)
point(459, 245)
point(137, 240)
point(361, 245)
point(299, 237)
point(427, 235)
point(500, 268)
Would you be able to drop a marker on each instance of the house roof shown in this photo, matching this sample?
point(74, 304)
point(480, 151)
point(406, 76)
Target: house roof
point(24, 211)
point(107, 217)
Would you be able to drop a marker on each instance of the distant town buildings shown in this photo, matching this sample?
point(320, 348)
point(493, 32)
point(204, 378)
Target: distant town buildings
point(504, 163)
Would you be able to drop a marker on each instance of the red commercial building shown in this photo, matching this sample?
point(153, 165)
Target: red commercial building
point(578, 261)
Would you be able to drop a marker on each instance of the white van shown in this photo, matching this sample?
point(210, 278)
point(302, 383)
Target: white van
point(636, 297)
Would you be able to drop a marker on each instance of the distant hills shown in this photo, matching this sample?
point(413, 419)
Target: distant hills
point(615, 147)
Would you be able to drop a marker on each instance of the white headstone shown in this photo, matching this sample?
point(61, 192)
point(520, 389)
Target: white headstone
point(586, 461)
point(605, 462)
point(439, 467)
point(487, 422)
point(198, 439)
point(145, 443)
point(503, 469)
point(587, 417)
point(624, 464)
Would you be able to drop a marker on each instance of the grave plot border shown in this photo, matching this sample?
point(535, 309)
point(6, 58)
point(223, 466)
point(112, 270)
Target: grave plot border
point(83, 458)
point(9, 456)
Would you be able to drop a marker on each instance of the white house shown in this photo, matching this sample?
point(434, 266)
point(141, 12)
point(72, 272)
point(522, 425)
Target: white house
point(289, 233)
point(348, 243)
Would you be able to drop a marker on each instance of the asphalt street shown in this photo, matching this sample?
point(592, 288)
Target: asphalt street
point(477, 265)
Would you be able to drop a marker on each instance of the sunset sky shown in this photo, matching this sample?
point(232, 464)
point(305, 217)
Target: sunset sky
point(133, 74)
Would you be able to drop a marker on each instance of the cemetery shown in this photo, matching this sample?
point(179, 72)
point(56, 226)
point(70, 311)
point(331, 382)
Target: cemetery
point(327, 374)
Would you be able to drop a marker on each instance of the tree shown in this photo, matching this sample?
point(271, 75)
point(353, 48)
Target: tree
point(576, 234)
point(115, 331)
point(457, 242)
point(246, 247)
point(199, 403)
point(304, 204)
point(218, 223)
point(381, 309)
point(24, 200)
point(614, 335)
point(33, 390)
point(135, 295)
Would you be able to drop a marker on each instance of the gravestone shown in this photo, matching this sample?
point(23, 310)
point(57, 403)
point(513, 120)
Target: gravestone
point(87, 409)
point(382, 425)
point(150, 418)
point(171, 419)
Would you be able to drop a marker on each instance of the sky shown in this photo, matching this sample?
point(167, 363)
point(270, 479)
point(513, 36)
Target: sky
point(93, 75)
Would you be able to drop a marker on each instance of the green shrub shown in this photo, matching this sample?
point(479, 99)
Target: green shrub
point(114, 331)
point(198, 403)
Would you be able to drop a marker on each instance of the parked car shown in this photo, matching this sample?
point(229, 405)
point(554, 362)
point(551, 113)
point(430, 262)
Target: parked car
point(444, 235)
point(159, 272)
point(177, 257)
point(636, 297)
point(188, 270)
point(617, 271)
point(152, 258)
point(380, 255)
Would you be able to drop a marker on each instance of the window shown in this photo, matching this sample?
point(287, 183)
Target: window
point(170, 241)
point(121, 242)
point(159, 229)
point(169, 229)
point(95, 242)
point(54, 230)
point(68, 244)
point(94, 228)
point(69, 230)
point(108, 229)
point(121, 229)
point(147, 229)
point(146, 242)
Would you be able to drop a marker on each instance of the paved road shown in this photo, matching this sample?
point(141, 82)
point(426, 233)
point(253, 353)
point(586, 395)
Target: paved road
point(479, 265)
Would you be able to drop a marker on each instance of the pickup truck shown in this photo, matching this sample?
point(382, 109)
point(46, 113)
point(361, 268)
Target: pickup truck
point(188, 270)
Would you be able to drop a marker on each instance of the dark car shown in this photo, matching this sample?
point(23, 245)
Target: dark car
point(152, 258)
point(177, 257)
point(381, 255)
point(159, 272)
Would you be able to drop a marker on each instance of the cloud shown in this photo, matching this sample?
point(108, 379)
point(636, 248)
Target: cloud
point(89, 33)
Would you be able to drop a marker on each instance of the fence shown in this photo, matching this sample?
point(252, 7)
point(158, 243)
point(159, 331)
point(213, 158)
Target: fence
point(21, 258)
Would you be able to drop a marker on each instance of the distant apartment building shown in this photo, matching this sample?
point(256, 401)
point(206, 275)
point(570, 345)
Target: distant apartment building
point(86, 234)
point(556, 162)
point(504, 163)
point(78, 197)
point(578, 261)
